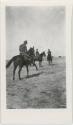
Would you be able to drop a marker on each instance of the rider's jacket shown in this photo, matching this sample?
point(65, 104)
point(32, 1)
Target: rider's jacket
point(37, 54)
point(23, 52)
point(23, 49)
point(49, 52)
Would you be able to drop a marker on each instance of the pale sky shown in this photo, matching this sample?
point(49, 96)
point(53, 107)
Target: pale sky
point(43, 28)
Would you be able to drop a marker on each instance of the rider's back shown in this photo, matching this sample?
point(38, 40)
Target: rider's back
point(22, 49)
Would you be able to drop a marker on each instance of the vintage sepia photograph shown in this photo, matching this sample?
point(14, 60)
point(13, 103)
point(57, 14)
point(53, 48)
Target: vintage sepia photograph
point(35, 57)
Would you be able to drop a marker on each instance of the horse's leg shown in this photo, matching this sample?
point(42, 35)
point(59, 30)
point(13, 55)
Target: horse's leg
point(51, 61)
point(15, 66)
point(27, 70)
point(48, 62)
point(39, 64)
point(20, 68)
point(35, 66)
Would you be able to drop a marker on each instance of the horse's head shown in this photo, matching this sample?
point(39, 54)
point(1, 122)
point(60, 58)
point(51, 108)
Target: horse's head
point(31, 51)
point(43, 53)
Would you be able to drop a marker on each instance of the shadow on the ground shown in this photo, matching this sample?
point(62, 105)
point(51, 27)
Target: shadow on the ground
point(34, 75)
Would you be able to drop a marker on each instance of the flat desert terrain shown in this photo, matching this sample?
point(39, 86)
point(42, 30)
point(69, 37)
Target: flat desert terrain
point(45, 88)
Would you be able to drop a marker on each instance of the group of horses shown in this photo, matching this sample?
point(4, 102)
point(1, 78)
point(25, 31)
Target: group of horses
point(20, 61)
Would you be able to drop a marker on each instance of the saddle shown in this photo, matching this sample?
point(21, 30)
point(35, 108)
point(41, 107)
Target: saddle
point(26, 56)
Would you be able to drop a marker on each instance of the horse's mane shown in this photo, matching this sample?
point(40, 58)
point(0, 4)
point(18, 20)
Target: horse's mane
point(42, 53)
point(30, 51)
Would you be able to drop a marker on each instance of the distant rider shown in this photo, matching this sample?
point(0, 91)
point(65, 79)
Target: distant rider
point(49, 52)
point(37, 53)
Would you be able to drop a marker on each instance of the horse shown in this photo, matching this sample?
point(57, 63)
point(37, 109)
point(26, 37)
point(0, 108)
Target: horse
point(40, 58)
point(35, 58)
point(49, 58)
point(20, 61)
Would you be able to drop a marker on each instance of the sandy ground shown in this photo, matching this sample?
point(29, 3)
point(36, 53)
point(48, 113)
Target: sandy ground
point(45, 88)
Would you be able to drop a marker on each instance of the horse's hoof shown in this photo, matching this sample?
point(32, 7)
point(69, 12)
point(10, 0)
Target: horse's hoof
point(19, 78)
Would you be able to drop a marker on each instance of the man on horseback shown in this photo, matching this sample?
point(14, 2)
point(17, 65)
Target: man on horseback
point(49, 56)
point(37, 53)
point(23, 50)
point(24, 59)
point(49, 52)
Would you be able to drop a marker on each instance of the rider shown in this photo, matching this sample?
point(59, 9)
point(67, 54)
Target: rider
point(49, 52)
point(37, 53)
point(23, 50)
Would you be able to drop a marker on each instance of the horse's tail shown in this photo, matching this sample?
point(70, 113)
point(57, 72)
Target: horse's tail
point(10, 61)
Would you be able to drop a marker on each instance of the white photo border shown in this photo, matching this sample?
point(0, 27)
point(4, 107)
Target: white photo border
point(37, 116)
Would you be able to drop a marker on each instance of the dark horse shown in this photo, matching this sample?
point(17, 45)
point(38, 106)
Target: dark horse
point(49, 58)
point(20, 61)
point(40, 58)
